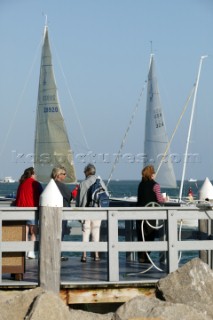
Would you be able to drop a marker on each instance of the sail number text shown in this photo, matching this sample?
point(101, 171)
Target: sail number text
point(50, 109)
point(51, 98)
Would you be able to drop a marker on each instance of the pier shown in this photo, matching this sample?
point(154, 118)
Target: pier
point(118, 276)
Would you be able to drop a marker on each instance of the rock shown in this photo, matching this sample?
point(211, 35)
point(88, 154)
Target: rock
point(191, 284)
point(7, 295)
point(48, 306)
point(15, 306)
point(136, 307)
point(143, 307)
point(185, 294)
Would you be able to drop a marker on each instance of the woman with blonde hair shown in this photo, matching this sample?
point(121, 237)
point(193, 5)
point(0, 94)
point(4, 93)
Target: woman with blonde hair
point(58, 175)
point(148, 192)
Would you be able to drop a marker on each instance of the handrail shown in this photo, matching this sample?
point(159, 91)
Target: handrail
point(113, 245)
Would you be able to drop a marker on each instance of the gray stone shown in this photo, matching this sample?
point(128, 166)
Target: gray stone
point(143, 307)
point(48, 306)
point(37, 304)
point(191, 284)
point(16, 305)
point(185, 294)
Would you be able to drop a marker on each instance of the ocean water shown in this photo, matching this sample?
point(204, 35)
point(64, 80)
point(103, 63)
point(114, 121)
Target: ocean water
point(128, 188)
point(119, 188)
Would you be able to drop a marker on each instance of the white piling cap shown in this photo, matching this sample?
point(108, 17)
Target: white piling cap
point(51, 196)
point(206, 190)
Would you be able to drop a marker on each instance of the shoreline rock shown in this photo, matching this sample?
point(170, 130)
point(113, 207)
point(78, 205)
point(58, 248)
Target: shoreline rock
point(185, 294)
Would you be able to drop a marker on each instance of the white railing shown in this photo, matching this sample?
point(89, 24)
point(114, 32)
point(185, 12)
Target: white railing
point(170, 243)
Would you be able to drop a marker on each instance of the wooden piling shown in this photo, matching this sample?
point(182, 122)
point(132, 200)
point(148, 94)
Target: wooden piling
point(50, 228)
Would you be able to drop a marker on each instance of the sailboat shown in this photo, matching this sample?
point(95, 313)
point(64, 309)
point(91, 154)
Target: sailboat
point(52, 147)
point(156, 139)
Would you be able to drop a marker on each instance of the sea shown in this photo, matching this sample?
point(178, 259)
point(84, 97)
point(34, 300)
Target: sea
point(128, 188)
point(119, 188)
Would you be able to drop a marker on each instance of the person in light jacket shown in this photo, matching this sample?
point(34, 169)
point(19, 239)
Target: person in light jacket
point(89, 226)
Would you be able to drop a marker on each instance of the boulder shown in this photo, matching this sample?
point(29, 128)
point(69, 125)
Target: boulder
point(16, 305)
point(185, 294)
point(48, 306)
point(143, 307)
point(192, 284)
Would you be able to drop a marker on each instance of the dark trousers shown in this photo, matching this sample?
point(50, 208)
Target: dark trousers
point(148, 232)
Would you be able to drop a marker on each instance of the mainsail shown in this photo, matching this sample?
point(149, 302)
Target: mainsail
point(156, 139)
point(52, 147)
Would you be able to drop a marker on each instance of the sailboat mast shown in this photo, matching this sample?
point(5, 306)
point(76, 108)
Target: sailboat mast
point(190, 126)
point(45, 28)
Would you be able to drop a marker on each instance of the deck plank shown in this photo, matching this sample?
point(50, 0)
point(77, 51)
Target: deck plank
point(75, 273)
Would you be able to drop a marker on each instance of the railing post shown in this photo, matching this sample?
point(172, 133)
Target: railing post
point(172, 241)
point(129, 236)
point(113, 257)
point(50, 228)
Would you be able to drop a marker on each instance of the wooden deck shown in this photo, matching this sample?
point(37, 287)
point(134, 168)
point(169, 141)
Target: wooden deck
point(74, 273)
point(87, 282)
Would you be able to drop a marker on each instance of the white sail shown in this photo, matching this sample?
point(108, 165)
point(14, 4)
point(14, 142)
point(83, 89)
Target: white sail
point(206, 190)
point(156, 139)
point(52, 145)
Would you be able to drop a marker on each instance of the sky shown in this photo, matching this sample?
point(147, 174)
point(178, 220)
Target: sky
point(101, 51)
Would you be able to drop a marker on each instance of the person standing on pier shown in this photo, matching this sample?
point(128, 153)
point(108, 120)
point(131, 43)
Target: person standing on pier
point(58, 175)
point(89, 226)
point(190, 194)
point(28, 194)
point(75, 192)
point(148, 191)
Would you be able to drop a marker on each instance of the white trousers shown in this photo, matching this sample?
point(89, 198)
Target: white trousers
point(91, 227)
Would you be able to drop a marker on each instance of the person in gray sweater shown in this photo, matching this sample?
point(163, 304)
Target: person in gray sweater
point(89, 226)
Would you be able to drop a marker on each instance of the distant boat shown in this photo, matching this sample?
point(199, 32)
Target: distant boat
point(156, 139)
point(7, 180)
point(52, 147)
point(192, 180)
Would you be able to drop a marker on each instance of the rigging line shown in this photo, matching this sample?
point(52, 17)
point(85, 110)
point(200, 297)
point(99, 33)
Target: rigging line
point(125, 135)
point(176, 127)
point(20, 100)
point(72, 101)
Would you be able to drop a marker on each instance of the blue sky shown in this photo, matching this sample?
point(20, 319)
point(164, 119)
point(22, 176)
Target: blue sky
point(101, 51)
